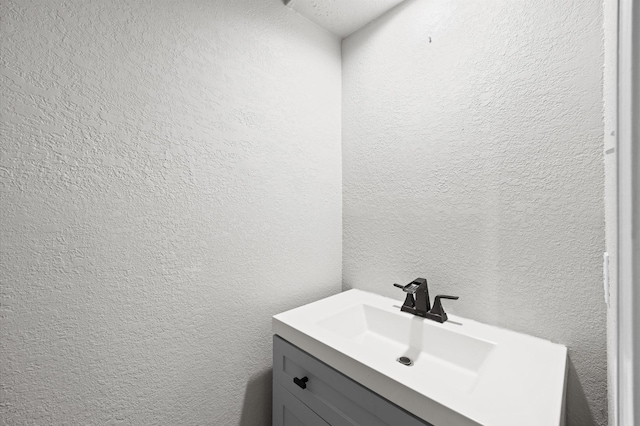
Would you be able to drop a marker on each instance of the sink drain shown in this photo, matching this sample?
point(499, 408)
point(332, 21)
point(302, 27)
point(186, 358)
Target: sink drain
point(405, 361)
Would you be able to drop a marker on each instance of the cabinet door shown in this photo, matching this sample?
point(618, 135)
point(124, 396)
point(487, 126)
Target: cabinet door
point(289, 411)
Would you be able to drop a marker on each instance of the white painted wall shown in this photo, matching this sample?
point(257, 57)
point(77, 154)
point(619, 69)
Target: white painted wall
point(170, 178)
point(473, 155)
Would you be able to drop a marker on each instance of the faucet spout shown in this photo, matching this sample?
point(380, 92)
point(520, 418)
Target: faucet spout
point(419, 305)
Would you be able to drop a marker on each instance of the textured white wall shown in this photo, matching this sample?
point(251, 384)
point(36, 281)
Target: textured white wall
point(170, 179)
point(472, 155)
point(610, 190)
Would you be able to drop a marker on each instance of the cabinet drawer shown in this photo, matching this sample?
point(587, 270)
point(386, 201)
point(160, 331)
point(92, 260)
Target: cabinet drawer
point(337, 399)
point(289, 411)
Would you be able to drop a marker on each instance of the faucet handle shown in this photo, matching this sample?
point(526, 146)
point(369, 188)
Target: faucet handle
point(437, 306)
point(444, 296)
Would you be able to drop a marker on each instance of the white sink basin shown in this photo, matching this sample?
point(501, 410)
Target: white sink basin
point(438, 355)
point(462, 373)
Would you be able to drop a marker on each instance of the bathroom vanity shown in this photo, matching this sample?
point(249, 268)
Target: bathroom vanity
point(341, 361)
point(306, 391)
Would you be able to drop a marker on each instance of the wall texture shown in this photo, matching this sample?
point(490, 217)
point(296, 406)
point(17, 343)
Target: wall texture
point(170, 178)
point(610, 82)
point(472, 155)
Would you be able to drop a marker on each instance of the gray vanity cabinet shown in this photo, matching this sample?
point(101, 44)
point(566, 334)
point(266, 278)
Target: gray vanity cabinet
point(327, 397)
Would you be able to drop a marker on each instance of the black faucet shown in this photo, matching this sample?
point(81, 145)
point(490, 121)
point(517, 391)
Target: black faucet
point(420, 305)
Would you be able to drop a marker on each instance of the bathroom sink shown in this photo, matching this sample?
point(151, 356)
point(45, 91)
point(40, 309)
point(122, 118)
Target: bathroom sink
point(435, 353)
point(461, 372)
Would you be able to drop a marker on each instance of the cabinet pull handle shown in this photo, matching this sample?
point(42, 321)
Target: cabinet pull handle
point(301, 382)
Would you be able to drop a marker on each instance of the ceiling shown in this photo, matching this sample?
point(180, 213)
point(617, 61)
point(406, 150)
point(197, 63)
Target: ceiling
point(341, 17)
